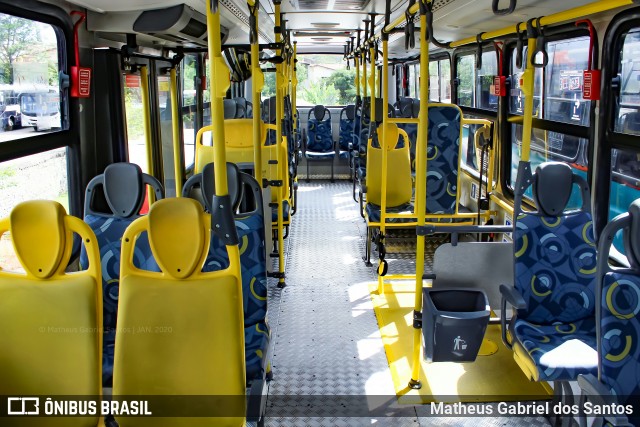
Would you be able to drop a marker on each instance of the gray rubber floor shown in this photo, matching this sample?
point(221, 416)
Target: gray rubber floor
point(328, 360)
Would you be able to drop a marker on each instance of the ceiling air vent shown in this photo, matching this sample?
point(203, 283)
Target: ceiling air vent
point(176, 23)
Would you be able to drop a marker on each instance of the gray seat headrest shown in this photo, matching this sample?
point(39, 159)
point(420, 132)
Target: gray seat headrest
point(552, 186)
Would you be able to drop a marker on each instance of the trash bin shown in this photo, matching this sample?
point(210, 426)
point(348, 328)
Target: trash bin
point(453, 323)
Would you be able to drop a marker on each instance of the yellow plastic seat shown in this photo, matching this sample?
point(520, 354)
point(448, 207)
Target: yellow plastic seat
point(238, 135)
point(192, 339)
point(50, 320)
point(399, 187)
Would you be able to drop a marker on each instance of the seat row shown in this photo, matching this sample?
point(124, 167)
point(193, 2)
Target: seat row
point(160, 284)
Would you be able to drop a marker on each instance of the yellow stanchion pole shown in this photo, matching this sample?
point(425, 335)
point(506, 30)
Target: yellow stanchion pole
point(175, 122)
point(146, 118)
point(421, 190)
point(257, 83)
point(279, 115)
point(528, 79)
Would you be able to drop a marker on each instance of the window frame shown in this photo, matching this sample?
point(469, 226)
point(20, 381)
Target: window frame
point(553, 34)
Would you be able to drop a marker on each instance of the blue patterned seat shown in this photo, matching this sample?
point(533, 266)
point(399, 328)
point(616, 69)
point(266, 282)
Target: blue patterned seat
point(253, 262)
point(553, 329)
point(319, 143)
point(618, 322)
point(409, 108)
point(347, 123)
point(113, 200)
point(443, 150)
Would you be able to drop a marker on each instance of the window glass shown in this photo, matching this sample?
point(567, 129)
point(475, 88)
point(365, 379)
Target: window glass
point(465, 75)
point(516, 99)
point(628, 108)
point(188, 75)
point(445, 81)
point(564, 80)
point(134, 117)
point(484, 80)
point(434, 82)
point(29, 84)
point(322, 80)
point(625, 185)
point(39, 176)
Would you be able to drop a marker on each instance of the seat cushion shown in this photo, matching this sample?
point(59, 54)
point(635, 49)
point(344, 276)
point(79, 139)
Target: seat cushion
point(561, 351)
point(373, 212)
point(344, 154)
point(256, 343)
point(285, 212)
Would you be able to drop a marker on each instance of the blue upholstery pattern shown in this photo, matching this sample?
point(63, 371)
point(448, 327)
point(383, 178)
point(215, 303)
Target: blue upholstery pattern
point(619, 333)
point(256, 343)
point(285, 212)
point(109, 231)
point(346, 135)
point(373, 213)
point(412, 132)
point(319, 136)
point(541, 340)
point(253, 266)
point(442, 159)
point(555, 267)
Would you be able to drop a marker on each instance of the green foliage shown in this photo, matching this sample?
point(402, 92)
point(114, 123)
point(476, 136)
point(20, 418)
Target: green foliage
point(320, 92)
point(269, 88)
point(17, 35)
point(343, 82)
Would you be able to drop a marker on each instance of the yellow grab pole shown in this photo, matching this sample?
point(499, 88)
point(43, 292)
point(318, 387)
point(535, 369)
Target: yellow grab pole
point(528, 79)
point(364, 75)
point(175, 121)
point(372, 81)
point(421, 190)
point(219, 85)
point(279, 116)
point(294, 90)
point(356, 59)
point(383, 146)
point(257, 83)
point(146, 118)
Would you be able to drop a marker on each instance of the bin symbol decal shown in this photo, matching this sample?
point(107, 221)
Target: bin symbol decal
point(459, 344)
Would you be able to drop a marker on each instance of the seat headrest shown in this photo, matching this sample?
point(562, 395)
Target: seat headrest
point(405, 105)
point(415, 108)
point(631, 237)
point(350, 112)
point(177, 236)
point(552, 186)
point(319, 112)
point(269, 110)
point(241, 107)
point(124, 188)
point(366, 109)
point(208, 185)
point(230, 108)
point(39, 236)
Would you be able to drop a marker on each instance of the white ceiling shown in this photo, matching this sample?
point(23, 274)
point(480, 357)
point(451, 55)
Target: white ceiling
point(453, 19)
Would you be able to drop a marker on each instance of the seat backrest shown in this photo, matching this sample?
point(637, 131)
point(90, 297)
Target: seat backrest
point(399, 187)
point(123, 186)
point(405, 107)
point(202, 349)
point(347, 118)
point(443, 154)
point(251, 233)
point(554, 249)
point(230, 109)
point(319, 134)
point(50, 320)
point(618, 314)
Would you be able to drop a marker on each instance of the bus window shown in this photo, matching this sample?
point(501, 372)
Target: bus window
point(628, 109)
point(465, 75)
point(136, 142)
point(29, 84)
point(325, 80)
point(39, 176)
point(485, 100)
point(559, 87)
point(563, 85)
point(440, 81)
point(188, 84)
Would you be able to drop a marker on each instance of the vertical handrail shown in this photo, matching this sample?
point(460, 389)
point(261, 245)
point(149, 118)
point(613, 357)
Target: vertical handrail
point(175, 125)
point(279, 160)
point(257, 83)
point(294, 89)
point(146, 118)
point(421, 187)
point(219, 85)
point(528, 85)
